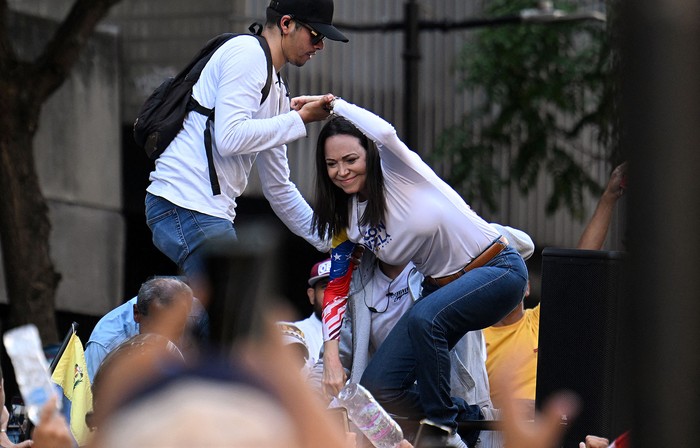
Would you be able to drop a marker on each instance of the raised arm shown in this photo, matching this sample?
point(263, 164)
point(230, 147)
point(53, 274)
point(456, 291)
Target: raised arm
point(594, 234)
point(372, 125)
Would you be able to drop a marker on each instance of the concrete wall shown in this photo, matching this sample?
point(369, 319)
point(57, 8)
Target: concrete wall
point(158, 36)
point(78, 158)
point(157, 40)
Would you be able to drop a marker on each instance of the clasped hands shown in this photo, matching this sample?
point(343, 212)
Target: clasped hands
point(313, 107)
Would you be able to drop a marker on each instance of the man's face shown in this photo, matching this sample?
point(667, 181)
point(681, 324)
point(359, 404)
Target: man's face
point(300, 43)
point(168, 321)
point(316, 296)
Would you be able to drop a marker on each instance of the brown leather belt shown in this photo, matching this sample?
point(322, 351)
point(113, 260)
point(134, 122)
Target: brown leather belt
point(487, 255)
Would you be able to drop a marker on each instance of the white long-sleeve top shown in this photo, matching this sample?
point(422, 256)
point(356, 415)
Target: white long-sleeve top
point(244, 131)
point(427, 222)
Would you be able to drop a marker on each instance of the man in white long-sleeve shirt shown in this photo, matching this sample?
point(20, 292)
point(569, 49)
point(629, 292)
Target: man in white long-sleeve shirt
point(182, 211)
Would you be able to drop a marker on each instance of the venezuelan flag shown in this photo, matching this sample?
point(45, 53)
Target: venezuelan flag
point(70, 375)
point(335, 297)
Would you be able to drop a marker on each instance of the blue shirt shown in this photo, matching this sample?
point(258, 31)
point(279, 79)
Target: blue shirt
point(114, 328)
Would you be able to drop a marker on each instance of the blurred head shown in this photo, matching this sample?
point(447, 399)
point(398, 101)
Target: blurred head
point(162, 307)
point(347, 164)
point(201, 412)
point(126, 369)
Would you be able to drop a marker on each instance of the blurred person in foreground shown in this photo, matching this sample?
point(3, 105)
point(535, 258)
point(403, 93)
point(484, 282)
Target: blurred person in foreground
point(215, 426)
point(244, 389)
point(53, 430)
point(547, 428)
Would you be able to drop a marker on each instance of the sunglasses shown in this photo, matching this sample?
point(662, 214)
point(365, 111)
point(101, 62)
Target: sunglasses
point(316, 37)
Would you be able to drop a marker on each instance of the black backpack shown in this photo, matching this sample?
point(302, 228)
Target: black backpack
point(162, 114)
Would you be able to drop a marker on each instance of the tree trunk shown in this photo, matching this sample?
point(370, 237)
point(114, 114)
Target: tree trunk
point(30, 275)
point(25, 228)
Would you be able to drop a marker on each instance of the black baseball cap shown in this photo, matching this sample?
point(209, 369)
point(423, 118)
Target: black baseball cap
point(318, 14)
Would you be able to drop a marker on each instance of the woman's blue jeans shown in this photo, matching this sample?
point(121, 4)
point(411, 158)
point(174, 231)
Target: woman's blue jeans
point(181, 234)
point(410, 373)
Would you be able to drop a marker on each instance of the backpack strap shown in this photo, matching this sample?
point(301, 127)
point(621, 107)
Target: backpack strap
point(194, 105)
point(268, 55)
point(213, 177)
point(209, 113)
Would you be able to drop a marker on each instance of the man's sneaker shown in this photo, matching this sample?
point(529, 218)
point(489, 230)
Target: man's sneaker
point(454, 440)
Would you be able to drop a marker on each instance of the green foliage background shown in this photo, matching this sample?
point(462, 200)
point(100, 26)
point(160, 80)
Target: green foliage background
point(540, 88)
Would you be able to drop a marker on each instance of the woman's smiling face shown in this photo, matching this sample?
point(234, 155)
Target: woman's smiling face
point(346, 163)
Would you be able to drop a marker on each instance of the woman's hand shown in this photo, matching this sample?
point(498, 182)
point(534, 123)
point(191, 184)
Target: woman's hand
point(312, 108)
point(356, 255)
point(334, 376)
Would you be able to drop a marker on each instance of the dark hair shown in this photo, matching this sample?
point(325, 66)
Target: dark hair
point(161, 290)
point(272, 18)
point(332, 205)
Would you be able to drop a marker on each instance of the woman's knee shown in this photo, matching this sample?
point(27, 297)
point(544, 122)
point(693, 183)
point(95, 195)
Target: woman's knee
point(378, 389)
point(372, 381)
point(420, 323)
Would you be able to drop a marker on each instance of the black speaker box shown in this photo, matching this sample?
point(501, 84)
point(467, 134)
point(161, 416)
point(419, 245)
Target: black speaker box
point(584, 339)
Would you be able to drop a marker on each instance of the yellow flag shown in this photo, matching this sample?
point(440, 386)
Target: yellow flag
point(71, 375)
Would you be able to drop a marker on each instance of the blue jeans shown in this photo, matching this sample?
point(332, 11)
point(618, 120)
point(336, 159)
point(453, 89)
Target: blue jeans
point(181, 234)
point(410, 373)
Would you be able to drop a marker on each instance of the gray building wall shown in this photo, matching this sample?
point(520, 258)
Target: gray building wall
point(158, 39)
point(158, 36)
point(78, 158)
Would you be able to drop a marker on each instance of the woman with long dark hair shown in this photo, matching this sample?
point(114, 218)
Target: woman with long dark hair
point(373, 191)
